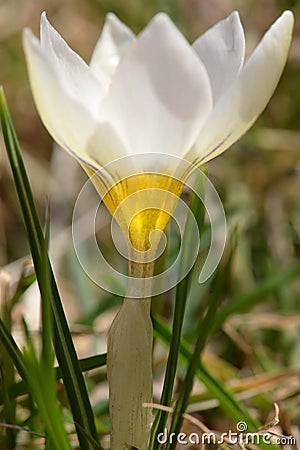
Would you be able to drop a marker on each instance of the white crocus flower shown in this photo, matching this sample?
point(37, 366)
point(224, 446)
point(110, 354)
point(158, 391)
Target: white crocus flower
point(154, 93)
point(142, 95)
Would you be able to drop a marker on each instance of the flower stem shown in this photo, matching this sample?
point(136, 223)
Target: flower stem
point(129, 363)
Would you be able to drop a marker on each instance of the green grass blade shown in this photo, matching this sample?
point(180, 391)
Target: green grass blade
point(86, 364)
point(13, 350)
point(41, 385)
point(24, 283)
point(47, 314)
point(205, 327)
point(7, 369)
point(8, 413)
point(198, 211)
point(64, 347)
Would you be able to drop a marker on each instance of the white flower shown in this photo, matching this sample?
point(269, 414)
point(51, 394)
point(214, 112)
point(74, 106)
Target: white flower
point(154, 93)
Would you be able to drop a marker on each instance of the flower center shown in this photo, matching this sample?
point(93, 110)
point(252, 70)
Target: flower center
point(142, 204)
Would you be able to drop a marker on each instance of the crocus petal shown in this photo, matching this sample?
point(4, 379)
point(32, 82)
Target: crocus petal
point(113, 43)
point(237, 110)
point(80, 82)
point(222, 50)
point(160, 93)
point(104, 146)
point(69, 123)
point(72, 123)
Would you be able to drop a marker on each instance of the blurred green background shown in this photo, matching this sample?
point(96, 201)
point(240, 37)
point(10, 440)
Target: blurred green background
point(257, 353)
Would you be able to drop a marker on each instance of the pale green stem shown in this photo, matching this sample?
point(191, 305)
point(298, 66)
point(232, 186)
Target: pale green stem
point(129, 363)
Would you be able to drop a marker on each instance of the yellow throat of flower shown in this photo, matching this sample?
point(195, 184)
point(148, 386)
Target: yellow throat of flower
point(141, 204)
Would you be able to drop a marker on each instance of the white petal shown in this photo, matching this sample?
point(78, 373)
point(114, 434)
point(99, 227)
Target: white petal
point(113, 43)
point(67, 120)
point(105, 146)
point(237, 110)
point(80, 82)
point(222, 50)
point(160, 93)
